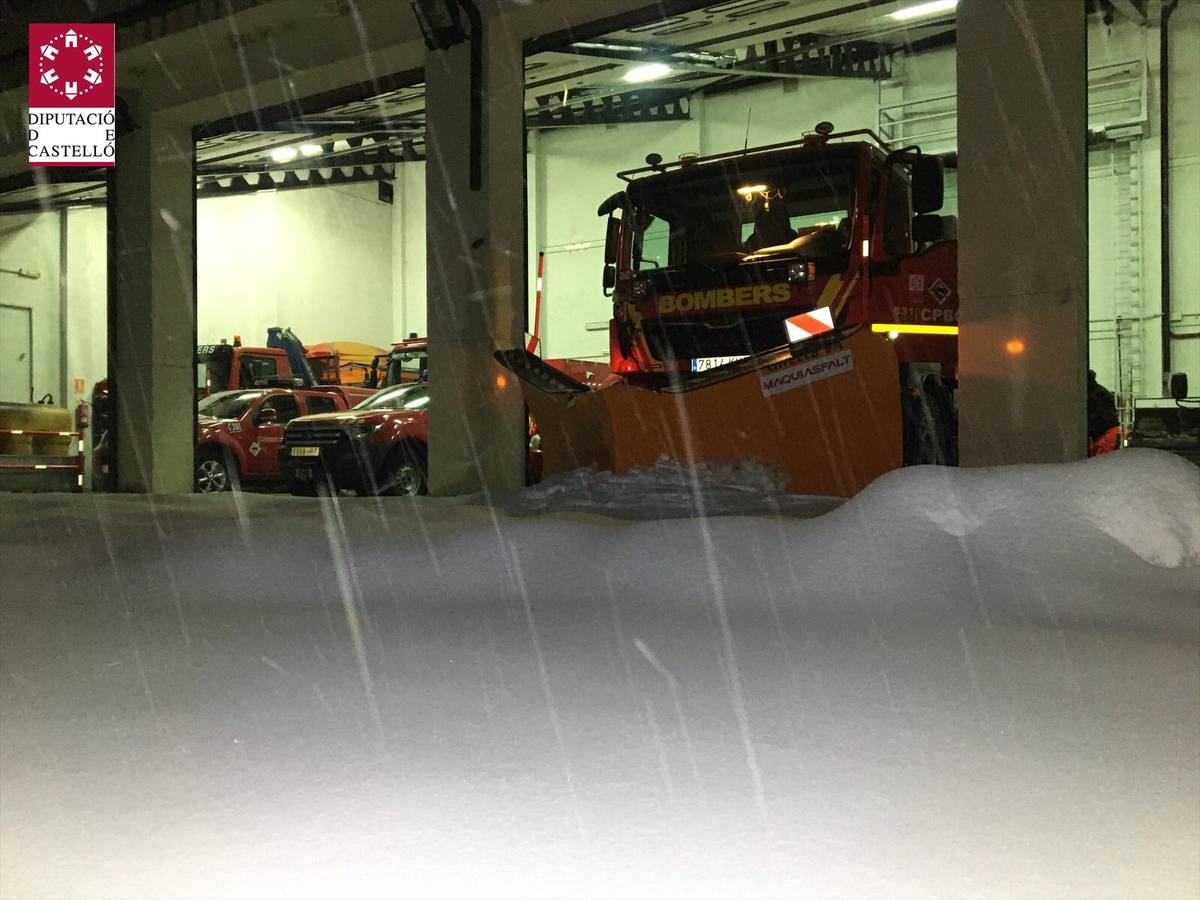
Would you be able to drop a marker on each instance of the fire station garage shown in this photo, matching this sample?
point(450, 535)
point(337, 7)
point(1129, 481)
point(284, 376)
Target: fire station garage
point(312, 211)
point(569, 448)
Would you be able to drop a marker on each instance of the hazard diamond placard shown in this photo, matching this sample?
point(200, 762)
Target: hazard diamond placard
point(72, 95)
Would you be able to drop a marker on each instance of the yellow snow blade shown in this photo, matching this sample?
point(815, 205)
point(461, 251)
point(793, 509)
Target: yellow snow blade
point(830, 419)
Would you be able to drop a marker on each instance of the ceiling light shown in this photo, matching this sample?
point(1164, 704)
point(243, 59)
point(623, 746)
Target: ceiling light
point(648, 72)
point(749, 190)
point(283, 154)
point(924, 9)
point(310, 149)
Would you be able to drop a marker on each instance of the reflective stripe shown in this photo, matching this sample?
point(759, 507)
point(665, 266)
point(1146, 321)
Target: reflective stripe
point(915, 329)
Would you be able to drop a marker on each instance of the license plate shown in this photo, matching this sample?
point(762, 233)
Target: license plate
point(704, 363)
point(306, 451)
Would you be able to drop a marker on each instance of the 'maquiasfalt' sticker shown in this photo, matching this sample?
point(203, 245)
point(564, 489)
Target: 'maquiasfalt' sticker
point(806, 372)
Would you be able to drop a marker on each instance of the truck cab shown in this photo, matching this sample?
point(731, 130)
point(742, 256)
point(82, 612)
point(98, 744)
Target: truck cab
point(406, 363)
point(231, 367)
point(707, 258)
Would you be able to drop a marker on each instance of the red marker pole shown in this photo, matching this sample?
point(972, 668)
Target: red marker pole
point(532, 346)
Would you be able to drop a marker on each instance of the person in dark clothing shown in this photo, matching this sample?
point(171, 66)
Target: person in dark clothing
point(1103, 424)
point(1101, 408)
point(771, 227)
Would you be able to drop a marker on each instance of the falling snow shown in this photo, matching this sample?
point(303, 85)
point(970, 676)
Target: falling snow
point(959, 683)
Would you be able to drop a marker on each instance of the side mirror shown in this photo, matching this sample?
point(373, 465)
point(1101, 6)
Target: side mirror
point(1179, 385)
point(610, 277)
point(267, 416)
point(611, 205)
point(928, 184)
point(612, 238)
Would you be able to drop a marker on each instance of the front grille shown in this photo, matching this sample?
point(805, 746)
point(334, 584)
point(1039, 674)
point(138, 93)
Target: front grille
point(305, 435)
point(691, 339)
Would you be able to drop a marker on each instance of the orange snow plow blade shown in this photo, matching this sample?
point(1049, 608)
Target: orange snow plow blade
point(829, 418)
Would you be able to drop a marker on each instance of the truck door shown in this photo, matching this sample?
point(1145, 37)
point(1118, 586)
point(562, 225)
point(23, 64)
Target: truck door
point(263, 458)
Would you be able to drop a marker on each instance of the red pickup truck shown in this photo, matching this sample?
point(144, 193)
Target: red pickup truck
point(240, 432)
point(379, 447)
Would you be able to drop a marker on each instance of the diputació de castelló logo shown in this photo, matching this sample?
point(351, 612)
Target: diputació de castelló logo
point(72, 94)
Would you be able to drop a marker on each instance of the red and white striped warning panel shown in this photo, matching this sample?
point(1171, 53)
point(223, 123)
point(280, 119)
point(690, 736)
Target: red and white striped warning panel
point(806, 325)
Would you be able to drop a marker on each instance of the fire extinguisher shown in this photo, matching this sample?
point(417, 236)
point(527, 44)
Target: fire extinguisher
point(83, 414)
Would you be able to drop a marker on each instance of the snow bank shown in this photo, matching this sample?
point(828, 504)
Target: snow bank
point(671, 490)
point(1149, 502)
point(960, 683)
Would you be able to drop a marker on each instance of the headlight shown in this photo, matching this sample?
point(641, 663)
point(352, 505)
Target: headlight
point(802, 271)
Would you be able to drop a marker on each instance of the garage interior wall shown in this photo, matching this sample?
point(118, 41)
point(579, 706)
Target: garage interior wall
point(336, 263)
point(32, 243)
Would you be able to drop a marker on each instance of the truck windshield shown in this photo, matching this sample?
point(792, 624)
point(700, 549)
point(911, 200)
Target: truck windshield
point(740, 209)
point(227, 404)
point(405, 396)
point(407, 366)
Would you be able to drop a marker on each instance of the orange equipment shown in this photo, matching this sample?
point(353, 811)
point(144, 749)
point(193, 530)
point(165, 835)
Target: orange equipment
point(342, 362)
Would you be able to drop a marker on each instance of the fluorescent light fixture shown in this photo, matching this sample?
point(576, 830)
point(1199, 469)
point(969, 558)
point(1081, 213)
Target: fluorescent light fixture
point(23, 273)
point(924, 9)
point(283, 154)
point(310, 149)
point(617, 48)
point(647, 72)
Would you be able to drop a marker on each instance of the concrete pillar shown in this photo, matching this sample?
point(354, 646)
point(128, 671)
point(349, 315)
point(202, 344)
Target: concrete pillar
point(476, 266)
point(152, 310)
point(1023, 248)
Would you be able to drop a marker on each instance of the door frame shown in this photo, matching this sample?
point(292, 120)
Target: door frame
point(28, 311)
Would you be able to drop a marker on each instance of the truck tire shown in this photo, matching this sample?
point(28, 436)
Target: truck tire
point(216, 471)
point(930, 420)
point(407, 472)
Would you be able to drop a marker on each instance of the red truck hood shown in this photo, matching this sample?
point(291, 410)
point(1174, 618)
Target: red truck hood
point(362, 417)
point(209, 424)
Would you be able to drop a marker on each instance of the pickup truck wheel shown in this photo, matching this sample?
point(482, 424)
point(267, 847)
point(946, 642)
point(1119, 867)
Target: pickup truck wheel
point(215, 472)
point(407, 474)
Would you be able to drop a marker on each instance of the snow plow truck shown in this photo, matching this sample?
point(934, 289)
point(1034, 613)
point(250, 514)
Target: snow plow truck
point(794, 304)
